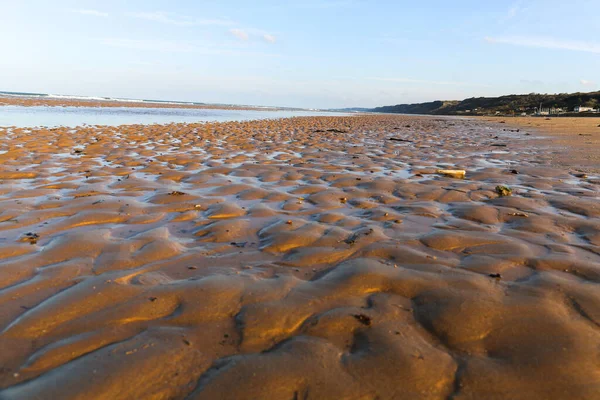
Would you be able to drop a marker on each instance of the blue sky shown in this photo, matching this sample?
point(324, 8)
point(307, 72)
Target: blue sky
point(329, 53)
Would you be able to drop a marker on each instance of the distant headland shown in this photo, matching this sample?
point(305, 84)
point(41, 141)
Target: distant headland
point(574, 104)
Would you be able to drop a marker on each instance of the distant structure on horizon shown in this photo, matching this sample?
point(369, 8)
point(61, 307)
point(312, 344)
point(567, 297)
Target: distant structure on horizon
point(580, 109)
point(548, 111)
point(557, 111)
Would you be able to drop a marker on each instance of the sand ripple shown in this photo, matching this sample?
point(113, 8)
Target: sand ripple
point(294, 259)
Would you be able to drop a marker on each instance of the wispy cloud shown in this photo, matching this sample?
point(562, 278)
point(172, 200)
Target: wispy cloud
point(269, 38)
point(173, 46)
point(259, 34)
point(178, 20)
point(424, 81)
point(547, 43)
point(94, 13)
point(585, 82)
point(239, 33)
point(512, 12)
point(169, 18)
point(150, 45)
point(328, 4)
point(515, 9)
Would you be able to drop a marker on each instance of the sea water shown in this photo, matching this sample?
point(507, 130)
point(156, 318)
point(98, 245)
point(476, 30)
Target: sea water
point(44, 116)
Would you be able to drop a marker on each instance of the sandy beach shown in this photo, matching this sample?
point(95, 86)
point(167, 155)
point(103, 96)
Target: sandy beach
point(575, 141)
point(303, 258)
point(29, 101)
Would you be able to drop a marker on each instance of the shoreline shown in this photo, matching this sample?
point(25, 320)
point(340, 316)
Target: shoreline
point(281, 258)
point(24, 101)
point(57, 117)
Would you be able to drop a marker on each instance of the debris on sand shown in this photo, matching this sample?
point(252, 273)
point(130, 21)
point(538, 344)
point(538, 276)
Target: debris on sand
point(453, 173)
point(176, 193)
point(503, 190)
point(330, 130)
point(30, 237)
point(519, 214)
point(400, 140)
point(363, 319)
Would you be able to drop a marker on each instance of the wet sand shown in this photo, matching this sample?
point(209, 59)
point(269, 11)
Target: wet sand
point(307, 258)
point(575, 141)
point(24, 101)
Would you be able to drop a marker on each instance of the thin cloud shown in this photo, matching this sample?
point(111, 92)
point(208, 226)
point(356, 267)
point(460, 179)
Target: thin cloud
point(238, 33)
point(259, 34)
point(269, 38)
point(515, 9)
point(171, 46)
point(94, 13)
point(428, 82)
point(149, 45)
point(547, 43)
point(178, 20)
point(585, 82)
point(329, 4)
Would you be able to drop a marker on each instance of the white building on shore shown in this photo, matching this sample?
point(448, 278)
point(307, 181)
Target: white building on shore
point(549, 111)
point(580, 109)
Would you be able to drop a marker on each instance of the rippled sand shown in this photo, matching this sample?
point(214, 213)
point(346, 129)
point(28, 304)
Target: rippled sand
point(309, 258)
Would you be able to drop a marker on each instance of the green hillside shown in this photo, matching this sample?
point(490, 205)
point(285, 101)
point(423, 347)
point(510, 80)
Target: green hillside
point(506, 105)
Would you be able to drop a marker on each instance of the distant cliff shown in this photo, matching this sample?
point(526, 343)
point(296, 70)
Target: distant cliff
point(512, 104)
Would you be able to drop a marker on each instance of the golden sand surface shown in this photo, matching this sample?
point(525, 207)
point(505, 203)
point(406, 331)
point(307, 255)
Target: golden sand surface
point(305, 258)
point(66, 102)
point(576, 141)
